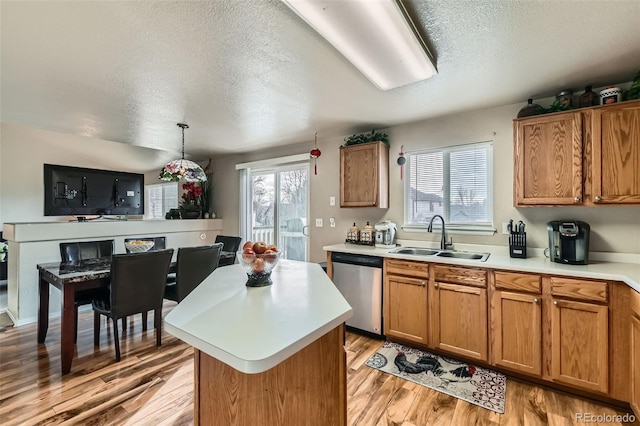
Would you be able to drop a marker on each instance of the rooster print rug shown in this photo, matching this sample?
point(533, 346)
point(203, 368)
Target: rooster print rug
point(476, 385)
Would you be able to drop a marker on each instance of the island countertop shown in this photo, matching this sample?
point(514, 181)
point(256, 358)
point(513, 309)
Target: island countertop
point(253, 329)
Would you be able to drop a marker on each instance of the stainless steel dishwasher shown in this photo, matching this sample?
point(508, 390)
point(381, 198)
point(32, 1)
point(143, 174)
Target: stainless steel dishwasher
point(359, 279)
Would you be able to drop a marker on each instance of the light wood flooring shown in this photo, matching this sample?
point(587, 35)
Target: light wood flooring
point(154, 386)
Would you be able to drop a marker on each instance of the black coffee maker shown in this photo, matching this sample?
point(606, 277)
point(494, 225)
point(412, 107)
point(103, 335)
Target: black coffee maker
point(569, 241)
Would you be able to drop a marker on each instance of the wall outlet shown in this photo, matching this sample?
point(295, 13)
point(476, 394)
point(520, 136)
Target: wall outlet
point(332, 201)
point(505, 231)
point(318, 223)
point(332, 222)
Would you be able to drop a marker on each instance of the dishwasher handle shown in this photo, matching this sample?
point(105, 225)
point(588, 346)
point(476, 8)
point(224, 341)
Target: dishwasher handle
point(357, 259)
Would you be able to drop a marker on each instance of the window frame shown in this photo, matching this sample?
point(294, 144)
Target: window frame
point(484, 228)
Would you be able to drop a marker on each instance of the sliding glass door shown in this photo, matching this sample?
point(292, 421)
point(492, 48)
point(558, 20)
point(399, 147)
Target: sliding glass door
point(279, 205)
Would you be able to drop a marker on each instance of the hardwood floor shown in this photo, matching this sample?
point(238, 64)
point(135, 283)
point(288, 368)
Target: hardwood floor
point(154, 386)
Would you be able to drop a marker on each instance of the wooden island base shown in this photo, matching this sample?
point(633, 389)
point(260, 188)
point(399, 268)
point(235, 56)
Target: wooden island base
point(308, 388)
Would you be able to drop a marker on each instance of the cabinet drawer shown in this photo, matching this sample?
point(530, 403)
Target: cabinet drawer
point(595, 291)
point(467, 276)
point(634, 299)
point(519, 282)
point(406, 267)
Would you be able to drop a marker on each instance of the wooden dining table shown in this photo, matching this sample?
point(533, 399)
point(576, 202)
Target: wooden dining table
point(69, 278)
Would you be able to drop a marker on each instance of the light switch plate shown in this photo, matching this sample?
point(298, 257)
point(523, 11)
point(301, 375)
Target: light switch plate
point(505, 231)
point(318, 223)
point(332, 201)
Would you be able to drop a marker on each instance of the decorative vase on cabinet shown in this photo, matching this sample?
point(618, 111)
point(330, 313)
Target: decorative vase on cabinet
point(190, 214)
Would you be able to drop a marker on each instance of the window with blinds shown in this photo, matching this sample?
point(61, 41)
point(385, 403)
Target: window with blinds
point(160, 198)
point(453, 182)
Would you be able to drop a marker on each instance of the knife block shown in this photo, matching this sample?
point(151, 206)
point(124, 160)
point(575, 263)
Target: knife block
point(518, 245)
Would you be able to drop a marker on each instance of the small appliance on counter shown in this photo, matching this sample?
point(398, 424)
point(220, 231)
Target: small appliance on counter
point(569, 241)
point(385, 234)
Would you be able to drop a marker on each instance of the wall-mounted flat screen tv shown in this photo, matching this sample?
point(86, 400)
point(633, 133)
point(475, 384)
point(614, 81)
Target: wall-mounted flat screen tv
point(76, 191)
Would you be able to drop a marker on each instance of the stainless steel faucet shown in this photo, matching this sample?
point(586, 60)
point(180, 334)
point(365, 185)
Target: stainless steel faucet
point(443, 240)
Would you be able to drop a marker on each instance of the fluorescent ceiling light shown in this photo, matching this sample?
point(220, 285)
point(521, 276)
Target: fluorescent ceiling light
point(376, 36)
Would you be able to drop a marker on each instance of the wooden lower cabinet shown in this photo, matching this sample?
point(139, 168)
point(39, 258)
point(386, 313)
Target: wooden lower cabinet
point(405, 308)
point(458, 320)
point(516, 330)
point(579, 344)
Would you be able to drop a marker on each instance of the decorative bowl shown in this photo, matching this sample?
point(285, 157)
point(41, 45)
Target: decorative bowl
point(258, 267)
point(138, 246)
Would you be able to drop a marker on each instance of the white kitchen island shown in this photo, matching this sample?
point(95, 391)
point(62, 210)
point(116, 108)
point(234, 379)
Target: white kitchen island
point(266, 355)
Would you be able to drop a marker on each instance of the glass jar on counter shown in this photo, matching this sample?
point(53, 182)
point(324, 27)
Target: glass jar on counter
point(353, 234)
point(368, 235)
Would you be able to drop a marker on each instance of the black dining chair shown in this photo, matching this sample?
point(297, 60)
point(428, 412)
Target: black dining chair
point(85, 250)
point(231, 245)
point(193, 265)
point(159, 243)
point(137, 285)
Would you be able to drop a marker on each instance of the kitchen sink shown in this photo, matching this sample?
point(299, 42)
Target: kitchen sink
point(415, 251)
point(464, 255)
point(418, 251)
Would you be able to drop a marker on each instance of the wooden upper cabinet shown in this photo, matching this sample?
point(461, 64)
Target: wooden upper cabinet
point(588, 156)
point(548, 160)
point(616, 154)
point(364, 175)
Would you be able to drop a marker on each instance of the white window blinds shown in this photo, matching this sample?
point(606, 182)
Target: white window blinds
point(160, 198)
point(453, 182)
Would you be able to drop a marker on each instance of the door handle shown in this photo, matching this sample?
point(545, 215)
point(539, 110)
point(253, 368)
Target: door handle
point(305, 230)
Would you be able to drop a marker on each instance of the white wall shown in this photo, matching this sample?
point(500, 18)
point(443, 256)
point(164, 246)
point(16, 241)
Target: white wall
point(24, 151)
point(613, 228)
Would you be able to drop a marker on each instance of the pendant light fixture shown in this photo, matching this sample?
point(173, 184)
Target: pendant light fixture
point(182, 169)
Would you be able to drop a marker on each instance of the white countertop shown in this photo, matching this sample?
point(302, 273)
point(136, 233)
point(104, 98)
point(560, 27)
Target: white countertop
point(628, 273)
point(253, 329)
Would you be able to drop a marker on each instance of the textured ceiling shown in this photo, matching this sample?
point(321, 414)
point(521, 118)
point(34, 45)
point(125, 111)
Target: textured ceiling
point(248, 75)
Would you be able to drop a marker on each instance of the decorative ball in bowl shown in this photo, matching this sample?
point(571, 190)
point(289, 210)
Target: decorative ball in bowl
point(258, 260)
point(138, 246)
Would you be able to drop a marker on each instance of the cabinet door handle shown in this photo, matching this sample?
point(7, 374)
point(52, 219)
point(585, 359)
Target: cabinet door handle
point(555, 302)
point(576, 200)
point(435, 285)
point(597, 199)
point(536, 300)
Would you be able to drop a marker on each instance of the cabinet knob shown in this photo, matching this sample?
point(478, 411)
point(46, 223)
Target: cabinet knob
point(555, 302)
point(576, 200)
point(435, 285)
point(536, 300)
point(597, 199)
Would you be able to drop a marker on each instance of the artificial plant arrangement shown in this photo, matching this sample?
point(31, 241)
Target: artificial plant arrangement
point(207, 186)
point(191, 198)
point(367, 137)
point(4, 249)
point(634, 90)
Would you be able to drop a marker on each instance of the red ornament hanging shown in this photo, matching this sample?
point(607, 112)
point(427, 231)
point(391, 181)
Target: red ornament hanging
point(315, 153)
point(401, 160)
